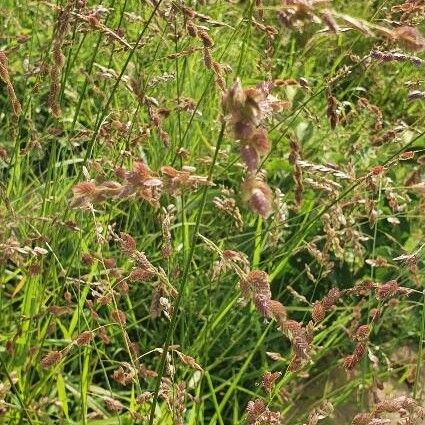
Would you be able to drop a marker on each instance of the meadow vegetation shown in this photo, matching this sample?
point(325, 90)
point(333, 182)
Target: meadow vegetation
point(212, 212)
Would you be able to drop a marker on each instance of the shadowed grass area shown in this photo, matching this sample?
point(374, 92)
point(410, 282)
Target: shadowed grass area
point(212, 212)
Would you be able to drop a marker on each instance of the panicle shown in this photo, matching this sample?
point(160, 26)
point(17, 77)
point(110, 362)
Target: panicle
point(61, 31)
point(5, 77)
point(247, 110)
point(388, 56)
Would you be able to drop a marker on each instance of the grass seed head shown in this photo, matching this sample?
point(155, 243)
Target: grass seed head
point(52, 358)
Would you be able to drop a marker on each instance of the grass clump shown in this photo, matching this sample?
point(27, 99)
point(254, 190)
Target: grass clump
point(212, 212)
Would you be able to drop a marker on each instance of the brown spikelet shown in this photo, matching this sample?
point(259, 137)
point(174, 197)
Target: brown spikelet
point(388, 136)
point(220, 81)
point(113, 405)
point(387, 290)
point(140, 275)
point(84, 338)
point(318, 312)
point(88, 259)
point(205, 38)
point(292, 327)
point(362, 333)
point(144, 397)
point(259, 413)
point(191, 29)
point(61, 30)
point(109, 263)
point(105, 299)
point(258, 280)
point(258, 195)
point(260, 141)
point(128, 244)
point(295, 364)
point(84, 188)
point(362, 419)
point(278, 311)
point(50, 359)
point(359, 351)
point(294, 157)
point(119, 316)
point(331, 298)
point(208, 60)
point(250, 156)
point(390, 406)
point(5, 77)
point(269, 380)
point(255, 285)
point(219, 76)
point(300, 346)
point(351, 361)
point(67, 297)
point(261, 303)
point(287, 82)
point(405, 156)
point(254, 409)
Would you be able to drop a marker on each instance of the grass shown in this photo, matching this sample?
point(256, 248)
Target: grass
point(179, 328)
